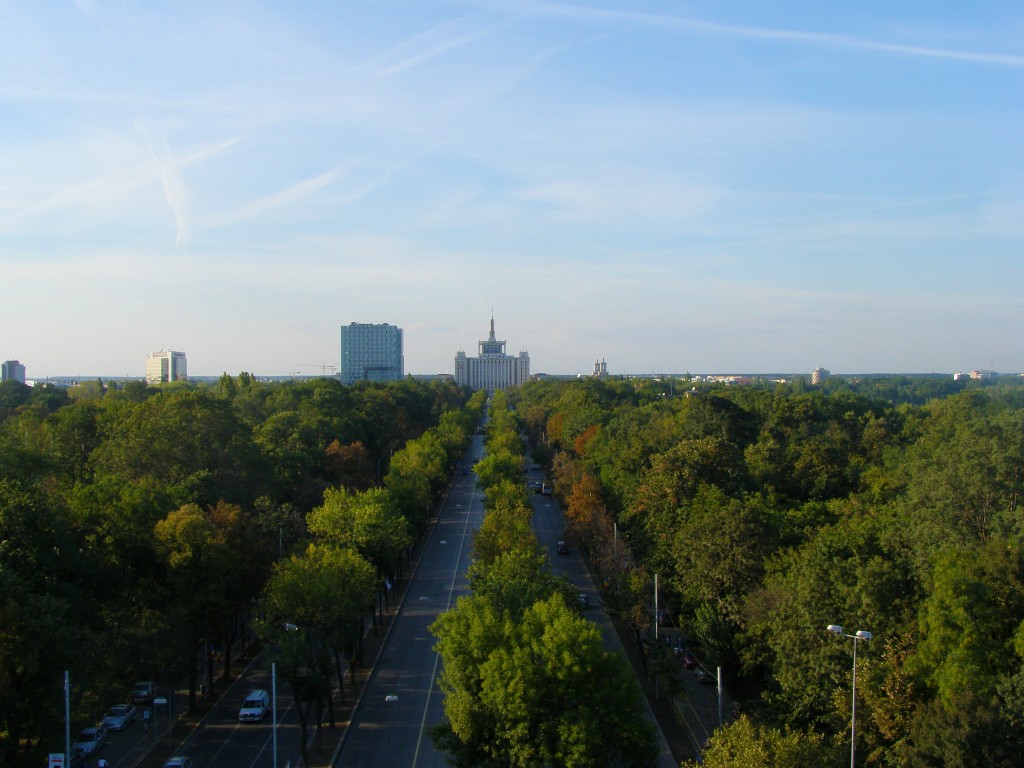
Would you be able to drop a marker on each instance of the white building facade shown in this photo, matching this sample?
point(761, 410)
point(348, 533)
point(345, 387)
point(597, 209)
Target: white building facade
point(166, 365)
point(371, 352)
point(492, 369)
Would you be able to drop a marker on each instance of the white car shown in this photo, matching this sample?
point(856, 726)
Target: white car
point(255, 706)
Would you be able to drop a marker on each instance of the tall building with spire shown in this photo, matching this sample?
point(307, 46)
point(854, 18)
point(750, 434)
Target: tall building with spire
point(492, 369)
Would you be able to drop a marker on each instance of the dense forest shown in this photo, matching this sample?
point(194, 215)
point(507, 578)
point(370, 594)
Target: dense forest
point(772, 511)
point(143, 529)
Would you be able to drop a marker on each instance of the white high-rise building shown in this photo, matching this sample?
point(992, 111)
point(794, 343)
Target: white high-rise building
point(492, 369)
point(371, 352)
point(166, 365)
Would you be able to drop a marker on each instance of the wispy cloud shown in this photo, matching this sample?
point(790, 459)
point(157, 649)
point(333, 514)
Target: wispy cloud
point(165, 166)
point(698, 26)
point(284, 197)
point(175, 191)
point(427, 45)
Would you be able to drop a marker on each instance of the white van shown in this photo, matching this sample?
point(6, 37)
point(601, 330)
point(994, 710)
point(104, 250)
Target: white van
point(255, 706)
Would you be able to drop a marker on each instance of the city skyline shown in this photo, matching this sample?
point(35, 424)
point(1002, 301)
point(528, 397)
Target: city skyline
point(720, 188)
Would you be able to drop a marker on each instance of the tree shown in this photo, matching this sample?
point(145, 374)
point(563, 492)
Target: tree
point(325, 592)
point(743, 744)
point(536, 691)
point(559, 698)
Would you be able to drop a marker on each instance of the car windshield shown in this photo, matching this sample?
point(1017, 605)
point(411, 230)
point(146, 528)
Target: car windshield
point(87, 736)
point(252, 703)
point(116, 711)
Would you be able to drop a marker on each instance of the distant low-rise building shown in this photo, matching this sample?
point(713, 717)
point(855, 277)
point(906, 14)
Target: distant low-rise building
point(12, 370)
point(492, 369)
point(982, 375)
point(166, 366)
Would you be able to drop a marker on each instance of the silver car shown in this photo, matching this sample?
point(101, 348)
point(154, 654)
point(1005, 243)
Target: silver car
point(90, 741)
point(119, 717)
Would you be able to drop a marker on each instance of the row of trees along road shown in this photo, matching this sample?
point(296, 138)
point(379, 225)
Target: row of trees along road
point(527, 680)
point(141, 525)
point(771, 511)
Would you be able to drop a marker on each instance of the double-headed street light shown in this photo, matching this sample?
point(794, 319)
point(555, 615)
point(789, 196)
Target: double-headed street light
point(860, 635)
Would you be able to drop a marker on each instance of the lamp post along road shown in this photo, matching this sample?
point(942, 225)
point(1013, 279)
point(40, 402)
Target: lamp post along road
point(856, 637)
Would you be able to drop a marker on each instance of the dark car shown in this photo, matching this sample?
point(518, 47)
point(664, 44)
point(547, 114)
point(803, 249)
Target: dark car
point(562, 548)
point(583, 601)
point(143, 692)
point(689, 660)
point(705, 678)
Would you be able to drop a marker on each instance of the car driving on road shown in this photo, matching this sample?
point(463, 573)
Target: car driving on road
point(143, 692)
point(119, 717)
point(90, 741)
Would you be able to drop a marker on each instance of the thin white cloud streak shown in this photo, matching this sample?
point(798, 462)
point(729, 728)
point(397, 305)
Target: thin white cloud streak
point(434, 42)
point(823, 39)
point(287, 196)
point(119, 185)
point(175, 190)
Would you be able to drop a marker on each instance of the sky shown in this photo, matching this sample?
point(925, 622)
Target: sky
point(704, 187)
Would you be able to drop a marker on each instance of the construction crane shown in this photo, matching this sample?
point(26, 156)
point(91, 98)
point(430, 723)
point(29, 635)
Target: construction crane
point(324, 367)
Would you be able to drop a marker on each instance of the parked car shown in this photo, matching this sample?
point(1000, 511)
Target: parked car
point(255, 706)
point(179, 761)
point(119, 717)
point(562, 548)
point(90, 741)
point(583, 601)
point(689, 660)
point(545, 489)
point(143, 692)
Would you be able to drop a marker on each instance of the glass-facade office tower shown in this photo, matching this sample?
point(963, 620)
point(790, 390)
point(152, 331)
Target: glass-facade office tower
point(12, 370)
point(371, 352)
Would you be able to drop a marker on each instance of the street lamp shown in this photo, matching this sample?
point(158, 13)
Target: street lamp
point(860, 635)
point(288, 627)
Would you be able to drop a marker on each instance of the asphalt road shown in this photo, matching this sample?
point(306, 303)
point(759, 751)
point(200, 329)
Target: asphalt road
point(401, 700)
point(549, 526)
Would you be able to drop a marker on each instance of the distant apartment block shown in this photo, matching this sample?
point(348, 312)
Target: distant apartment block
point(819, 375)
point(371, 352)
point(12, 370)
point(492, 369)
point(166, 366)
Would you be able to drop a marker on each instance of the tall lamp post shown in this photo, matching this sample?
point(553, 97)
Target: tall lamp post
point(856, 637)
point(288, 627)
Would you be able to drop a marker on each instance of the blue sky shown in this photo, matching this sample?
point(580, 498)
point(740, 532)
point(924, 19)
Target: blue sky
point(722, 186)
